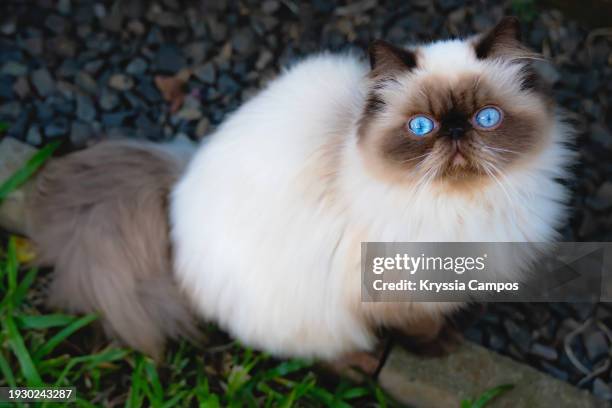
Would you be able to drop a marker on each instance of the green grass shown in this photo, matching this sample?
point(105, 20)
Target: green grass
point(38, 349)
point(486, 397)
point(44, 348)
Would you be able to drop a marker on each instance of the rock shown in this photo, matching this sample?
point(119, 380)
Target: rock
point(167, 19)
point(64, 7)
point(8, 27)
point(137, 66)
point(84, 81)
point(265, 57)
point(196, 51)
point(43, 82)
point(468, 372)
point(113, 21)
point(6, 87)
point(602, 390)
point(270, 6)
point(13, 68)
point(80, 132)
point(518, 335)
point(202, 127)
point(243, 41)
point(33, 46)
point(121, 82)
point(547, 71)
point(22, 87)
point(33, 136)
point(191, 109)
point(109, 100)
point(116, 119)
point(10, 109)
point(206, 73)
point(588, 226)
point(93, 67)
point(85, 109)
point(602, 200)
point(149, 91)
point(596, 345)
point(600, 134)
point(136, 27)
point(543, 351)
point(57, 128)
point(227, 85)
point(168, 59)
point(68, 69)
point(56, 23)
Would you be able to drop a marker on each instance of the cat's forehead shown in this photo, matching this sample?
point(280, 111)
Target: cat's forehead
point(447, 57)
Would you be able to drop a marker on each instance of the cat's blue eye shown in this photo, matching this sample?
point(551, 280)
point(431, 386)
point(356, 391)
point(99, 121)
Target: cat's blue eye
point(488, 117)
point(421, 125)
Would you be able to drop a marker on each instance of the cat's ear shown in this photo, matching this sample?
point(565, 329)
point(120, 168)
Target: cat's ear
point(503, 39)
point(386, 58)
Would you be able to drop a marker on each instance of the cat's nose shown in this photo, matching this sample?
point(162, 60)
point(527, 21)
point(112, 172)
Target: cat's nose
point(456, 133)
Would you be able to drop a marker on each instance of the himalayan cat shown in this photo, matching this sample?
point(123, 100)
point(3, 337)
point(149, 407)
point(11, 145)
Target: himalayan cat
point(260, 230)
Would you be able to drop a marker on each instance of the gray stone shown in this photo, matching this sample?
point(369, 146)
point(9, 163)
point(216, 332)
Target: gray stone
point(84, 81)
point(56, 23)
point(206, 73)
point(196, 51)
point(191, 109)
point(121, 82)
point(33, 136)
point(8, 27)
point(202, 127)
point(169, 59)
point(243, 41)
point(543, 351)
point(85, 109)
point(117, 119)
point(93, 67)
point(137, 66)
point(600, 134)
point(109, 99)
point(602, 390)
point(57, 128)
point(468, 372)
point(602, 200)
point(22, 87)
point(64, 7)
point(270, 6)
point(518, 335)
point(43, 82)
point(596, 345)
point(10, 109)
point(14, 68)
point(79, 134)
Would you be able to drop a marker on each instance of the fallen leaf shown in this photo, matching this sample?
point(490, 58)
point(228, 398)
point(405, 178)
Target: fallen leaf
point(172, 88)
point(24, 249)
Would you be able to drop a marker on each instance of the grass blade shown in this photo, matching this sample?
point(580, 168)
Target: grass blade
point(6, 371)
point(22, 175)
point(488, 395)
point(43, 321)
point(21, 352)
point(63, 335)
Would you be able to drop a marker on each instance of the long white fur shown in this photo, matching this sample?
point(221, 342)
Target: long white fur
point(267, 242)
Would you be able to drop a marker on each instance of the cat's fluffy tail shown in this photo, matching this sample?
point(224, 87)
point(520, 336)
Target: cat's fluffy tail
point(100, 217)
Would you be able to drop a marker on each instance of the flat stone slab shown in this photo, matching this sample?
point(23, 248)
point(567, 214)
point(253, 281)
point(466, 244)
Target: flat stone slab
point(467, 373)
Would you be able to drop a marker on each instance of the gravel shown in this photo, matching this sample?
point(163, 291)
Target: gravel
point(77, 71)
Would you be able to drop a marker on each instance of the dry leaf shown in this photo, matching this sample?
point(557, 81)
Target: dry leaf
point(172, 88)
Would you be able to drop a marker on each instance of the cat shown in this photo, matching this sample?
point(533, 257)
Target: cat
point(450, 141)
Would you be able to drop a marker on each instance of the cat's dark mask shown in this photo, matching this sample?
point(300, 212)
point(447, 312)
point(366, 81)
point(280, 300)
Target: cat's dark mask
point(453, 111)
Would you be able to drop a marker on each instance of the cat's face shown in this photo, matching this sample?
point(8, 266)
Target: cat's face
point(453, 112)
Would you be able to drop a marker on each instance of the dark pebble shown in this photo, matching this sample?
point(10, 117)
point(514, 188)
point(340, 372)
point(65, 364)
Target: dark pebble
point(59, 127)
point(169, 59)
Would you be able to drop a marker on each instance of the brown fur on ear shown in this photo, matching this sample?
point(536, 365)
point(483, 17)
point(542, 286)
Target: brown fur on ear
point(504, 38)
point(387, 58)
point(100, 216)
